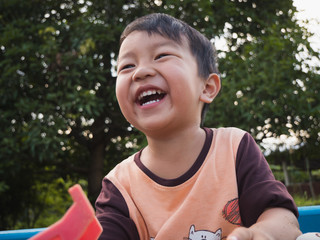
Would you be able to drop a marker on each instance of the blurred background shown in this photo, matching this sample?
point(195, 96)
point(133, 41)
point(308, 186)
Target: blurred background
point(60, 122)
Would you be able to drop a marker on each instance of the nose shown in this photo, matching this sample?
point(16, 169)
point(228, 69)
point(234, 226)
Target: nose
point(143, 72)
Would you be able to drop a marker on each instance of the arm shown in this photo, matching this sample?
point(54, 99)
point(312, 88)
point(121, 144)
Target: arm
point(267, 209)
point(273, 224)
point(113, 214)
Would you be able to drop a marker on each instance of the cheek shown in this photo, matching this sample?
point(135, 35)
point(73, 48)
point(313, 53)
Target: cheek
point(121, 93)
point(184, 83)
point(117, 91)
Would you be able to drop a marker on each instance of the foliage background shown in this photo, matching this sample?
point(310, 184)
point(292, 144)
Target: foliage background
point(61, 125)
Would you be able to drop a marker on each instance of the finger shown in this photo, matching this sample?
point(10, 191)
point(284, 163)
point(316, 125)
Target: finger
point(240, 233)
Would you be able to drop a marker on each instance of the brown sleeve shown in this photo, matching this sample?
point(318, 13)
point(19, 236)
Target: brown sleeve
point(258, 189)
point(113, 214)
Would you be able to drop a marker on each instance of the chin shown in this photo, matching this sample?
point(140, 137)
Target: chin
point(159, 130)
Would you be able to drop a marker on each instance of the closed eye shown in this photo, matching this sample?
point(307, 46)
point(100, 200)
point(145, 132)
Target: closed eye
point(162, 55)
point(128, 66)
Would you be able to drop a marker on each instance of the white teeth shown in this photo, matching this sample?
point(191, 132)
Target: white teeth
point(153, 101)
point(148, 93)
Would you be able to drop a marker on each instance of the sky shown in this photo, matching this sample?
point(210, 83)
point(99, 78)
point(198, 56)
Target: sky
point(309, 9)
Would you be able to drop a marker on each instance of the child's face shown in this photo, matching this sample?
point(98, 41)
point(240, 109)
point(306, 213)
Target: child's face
point(158, 87)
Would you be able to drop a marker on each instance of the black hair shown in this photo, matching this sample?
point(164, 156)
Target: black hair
point(172, 28)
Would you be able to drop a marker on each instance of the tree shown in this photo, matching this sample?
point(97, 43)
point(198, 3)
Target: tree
point(58, 109)
point(270, 90)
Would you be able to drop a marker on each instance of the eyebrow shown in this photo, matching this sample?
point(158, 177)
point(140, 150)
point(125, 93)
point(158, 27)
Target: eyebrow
point(156, 45)
point(126, 55)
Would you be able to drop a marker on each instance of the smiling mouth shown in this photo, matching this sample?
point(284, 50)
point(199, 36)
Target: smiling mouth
point(150, 96)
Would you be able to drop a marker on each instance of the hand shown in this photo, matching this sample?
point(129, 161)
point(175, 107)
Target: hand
point(242, 233)
point(272, 224)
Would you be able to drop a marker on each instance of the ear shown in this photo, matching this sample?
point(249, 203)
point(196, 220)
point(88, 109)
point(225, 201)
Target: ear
point(218, 232)
point(211, 88)
point(191, 232)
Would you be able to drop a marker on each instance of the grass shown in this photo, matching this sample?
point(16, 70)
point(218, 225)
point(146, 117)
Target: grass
point(302, 200)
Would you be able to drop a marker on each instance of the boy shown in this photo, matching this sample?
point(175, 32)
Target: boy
point(189, 182)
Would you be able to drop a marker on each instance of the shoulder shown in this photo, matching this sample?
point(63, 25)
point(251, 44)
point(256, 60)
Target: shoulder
point(113, 182)
point(122, 168)
point(113, 214)
point(229, 131)
point(230, 135)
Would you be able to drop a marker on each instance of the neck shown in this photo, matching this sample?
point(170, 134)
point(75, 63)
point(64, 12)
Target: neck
point(171, 156)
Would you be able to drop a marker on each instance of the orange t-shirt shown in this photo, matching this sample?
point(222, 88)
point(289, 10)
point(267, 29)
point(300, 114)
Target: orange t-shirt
point(202, 202)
